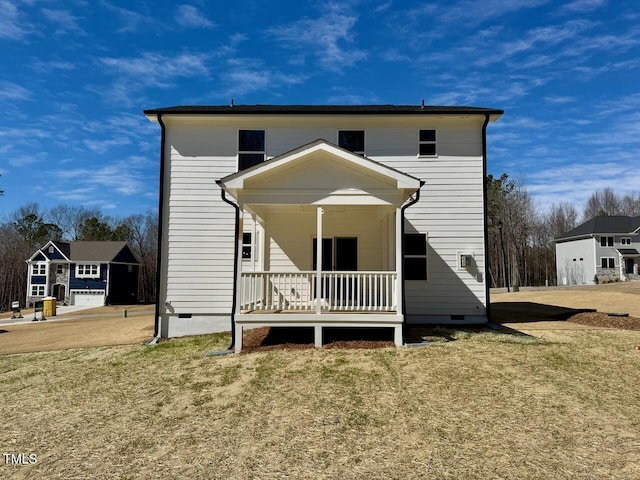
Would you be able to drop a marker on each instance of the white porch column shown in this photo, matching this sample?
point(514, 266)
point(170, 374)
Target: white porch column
point(239, 293)
point(319, 213)
point(399, 262)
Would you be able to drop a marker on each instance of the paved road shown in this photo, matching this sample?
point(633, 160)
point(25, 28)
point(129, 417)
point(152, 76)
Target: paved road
point(62, 313)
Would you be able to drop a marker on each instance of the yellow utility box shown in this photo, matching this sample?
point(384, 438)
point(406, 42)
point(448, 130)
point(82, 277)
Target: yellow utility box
point(49, 306)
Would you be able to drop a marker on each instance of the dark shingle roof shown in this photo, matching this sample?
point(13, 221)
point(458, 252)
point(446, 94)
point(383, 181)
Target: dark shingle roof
point(90, 251)
point(604, 224)
point(322, 109)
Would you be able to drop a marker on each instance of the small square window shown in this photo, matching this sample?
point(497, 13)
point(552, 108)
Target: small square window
point(352, 140)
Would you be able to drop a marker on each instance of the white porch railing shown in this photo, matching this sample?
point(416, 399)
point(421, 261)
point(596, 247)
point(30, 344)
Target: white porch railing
point(339, 291)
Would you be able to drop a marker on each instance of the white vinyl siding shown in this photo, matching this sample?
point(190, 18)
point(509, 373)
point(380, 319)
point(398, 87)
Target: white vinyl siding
point(198, 230)
point(198, 226)
point(578, 272)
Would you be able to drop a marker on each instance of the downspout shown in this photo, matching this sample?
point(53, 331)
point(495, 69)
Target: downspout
point(156, 331)
point(235, 264)
point(485, 219)
point(402, 243)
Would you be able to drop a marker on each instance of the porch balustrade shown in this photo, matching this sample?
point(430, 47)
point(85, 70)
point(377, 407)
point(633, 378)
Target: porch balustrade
point(339, 291)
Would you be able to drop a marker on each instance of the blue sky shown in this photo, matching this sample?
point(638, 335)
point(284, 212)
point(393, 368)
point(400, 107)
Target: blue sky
point(76, 76)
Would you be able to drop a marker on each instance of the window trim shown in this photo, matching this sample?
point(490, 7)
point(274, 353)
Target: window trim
point(91, 267)
point(424, 256)
point(606, 241)
point(39, 269)
point(247, 246)
point(625, 241)
point(428, 142)
point(251, 152)
point(362, 153)
point(609, 261)
point(35, 289)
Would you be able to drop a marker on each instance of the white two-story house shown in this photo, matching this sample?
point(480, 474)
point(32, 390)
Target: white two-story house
point(605, 248)
point(321, 216)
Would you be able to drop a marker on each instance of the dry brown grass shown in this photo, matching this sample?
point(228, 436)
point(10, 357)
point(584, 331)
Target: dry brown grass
point(87, 328)
point(474, 404)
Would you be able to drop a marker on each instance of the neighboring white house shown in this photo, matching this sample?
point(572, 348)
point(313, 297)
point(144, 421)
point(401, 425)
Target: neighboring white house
point(396, 193)
point(606, 247)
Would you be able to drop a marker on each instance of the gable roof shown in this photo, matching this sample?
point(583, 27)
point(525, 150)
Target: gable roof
point(89, 251)
point(323, 110)
point(619, 224)
point(236, 180)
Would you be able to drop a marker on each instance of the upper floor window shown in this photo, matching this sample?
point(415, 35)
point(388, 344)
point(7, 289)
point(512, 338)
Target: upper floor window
point(352, 140)
point(87, 270)
point(625, 241)
point(39, 269)
point(606, 241)
point(59, 269)
point(251, 148)
point(427, 143)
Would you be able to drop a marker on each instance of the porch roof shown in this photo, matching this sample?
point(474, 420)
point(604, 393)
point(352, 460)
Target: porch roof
point(320, 172)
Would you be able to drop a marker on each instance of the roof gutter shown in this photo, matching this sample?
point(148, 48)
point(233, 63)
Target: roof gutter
point(235, 263)
point(402, 247)
point(485, 201)
point(163, 139)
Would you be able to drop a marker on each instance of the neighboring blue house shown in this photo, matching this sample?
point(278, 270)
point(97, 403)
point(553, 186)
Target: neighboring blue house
point(84, 273)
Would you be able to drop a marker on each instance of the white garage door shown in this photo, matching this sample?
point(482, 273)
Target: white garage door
point(87, 297)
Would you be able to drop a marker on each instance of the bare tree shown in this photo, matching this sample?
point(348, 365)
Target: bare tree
point(602, 202)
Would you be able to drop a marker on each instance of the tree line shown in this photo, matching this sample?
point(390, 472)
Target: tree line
point(521, 248)
point(30, 227)
point(520, 237)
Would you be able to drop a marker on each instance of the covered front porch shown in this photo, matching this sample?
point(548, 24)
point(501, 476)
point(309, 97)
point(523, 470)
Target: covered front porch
point(352, 277)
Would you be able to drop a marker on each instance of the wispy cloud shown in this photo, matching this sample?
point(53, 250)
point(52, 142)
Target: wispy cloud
point(581, 6)
point(13, 24)
point(189, 16)
point(471, 12)
point(154, 68)
point(13, 91)
point(327, 38)
point(133, 74)
point(65, 21)
point(131, 20)
point(246, 76)
point(48, 65)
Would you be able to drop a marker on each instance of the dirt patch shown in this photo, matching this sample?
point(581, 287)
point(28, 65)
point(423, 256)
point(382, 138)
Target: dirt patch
point(599, 319)
point(301, 338)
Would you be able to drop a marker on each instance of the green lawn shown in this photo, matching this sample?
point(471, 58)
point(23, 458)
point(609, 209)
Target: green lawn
point(481, 405)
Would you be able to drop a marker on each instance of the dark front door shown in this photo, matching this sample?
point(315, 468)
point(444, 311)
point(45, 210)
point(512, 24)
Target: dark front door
point(629, 263)
point(338, 254)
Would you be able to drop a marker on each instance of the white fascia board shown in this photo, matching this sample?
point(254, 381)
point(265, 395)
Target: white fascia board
point(320, 197)
point(402, 180)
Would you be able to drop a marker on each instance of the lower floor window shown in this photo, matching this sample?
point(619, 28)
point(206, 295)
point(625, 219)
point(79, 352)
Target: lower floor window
point(37, 290)
point(607, 262)
point(415, 256)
